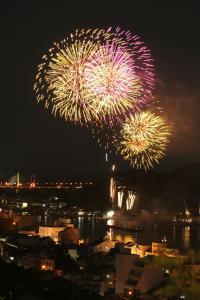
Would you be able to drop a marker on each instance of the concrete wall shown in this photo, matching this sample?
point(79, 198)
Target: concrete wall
point(123, 266)
point(151, 277)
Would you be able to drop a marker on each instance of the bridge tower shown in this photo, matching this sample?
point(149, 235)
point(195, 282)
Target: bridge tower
point(32, 181)
point(14, 180)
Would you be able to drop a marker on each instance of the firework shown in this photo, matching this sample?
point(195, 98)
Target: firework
point(96, 76)
point(120, 195)
point(103, 136)
point(112, 83)
point(143, 66)
point(60, 79)
point(143, 139)
point(113, 190)
point(119, 76)
point(130, 200)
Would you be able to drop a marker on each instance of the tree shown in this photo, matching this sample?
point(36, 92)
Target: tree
point(191, 256)
point(182, 281)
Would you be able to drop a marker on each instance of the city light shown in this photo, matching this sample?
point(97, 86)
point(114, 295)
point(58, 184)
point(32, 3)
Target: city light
point(130, 293)
point(110, 213)
point(43, 267)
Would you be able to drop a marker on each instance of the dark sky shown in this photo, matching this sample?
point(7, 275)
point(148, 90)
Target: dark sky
point(32, 138)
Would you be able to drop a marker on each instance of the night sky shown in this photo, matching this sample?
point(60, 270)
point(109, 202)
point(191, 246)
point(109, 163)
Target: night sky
point(32, 138)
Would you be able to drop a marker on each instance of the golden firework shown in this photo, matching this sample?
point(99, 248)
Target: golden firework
point(112, 83)
point(60, 78)
point(96, 76)
point(143, 139)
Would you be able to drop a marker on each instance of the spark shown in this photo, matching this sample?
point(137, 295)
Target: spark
point(113, 188)
point(143, 139)
point(96, 76)
point(112, 83)
point(130, 200)
point(120, 195)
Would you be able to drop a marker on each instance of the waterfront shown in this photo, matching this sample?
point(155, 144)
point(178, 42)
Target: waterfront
point(181, 237)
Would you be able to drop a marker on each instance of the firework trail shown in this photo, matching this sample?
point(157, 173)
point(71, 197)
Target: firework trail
point(130, 200)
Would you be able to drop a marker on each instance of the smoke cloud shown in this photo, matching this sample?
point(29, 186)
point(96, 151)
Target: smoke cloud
point(181, 106)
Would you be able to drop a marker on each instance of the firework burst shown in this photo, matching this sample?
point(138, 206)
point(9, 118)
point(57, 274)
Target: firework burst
point(143, 63)
point(60, 79)
point(96, 76)
point(143, 139)
point(112, 83)
point(103, 136)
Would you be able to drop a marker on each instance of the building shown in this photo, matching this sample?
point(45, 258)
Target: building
point(150, 278)
point(107, 283)
point(123, 266)
point(158, 248)
point(137, 249)
point(21, 221)
point(171, 252)
point(28, 261)
point(51, 231)
point(47, 264)
point(133, 276)
point(104, 246)
point(70, 235)
point(140, 250)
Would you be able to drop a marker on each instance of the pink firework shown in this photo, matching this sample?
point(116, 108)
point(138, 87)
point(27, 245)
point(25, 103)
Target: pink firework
point(119, 77)
point(111, 81)
point(144, 66)
point(96, 76)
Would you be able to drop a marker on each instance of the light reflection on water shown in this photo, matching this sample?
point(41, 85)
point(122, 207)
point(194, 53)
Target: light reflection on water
point(181, 237)
point(186, 236)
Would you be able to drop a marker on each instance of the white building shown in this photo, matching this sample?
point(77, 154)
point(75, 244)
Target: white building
point(123, 266)
point(132, 275)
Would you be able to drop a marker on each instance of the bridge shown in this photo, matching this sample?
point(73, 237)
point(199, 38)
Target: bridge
point(17, 182)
